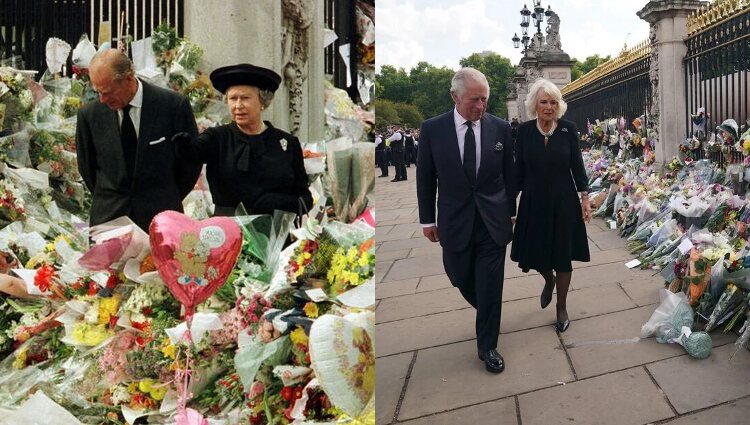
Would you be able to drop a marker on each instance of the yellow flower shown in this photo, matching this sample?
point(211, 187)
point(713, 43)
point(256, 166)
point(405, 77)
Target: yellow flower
point(20, 361)
point(108, 308)
point(169, 349)
point(311, 310)
point(298, 336)
point(132, 387)
point(90, 334)
point(306, 256)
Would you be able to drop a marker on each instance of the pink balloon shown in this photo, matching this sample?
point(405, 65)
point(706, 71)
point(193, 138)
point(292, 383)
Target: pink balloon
point(194, 258)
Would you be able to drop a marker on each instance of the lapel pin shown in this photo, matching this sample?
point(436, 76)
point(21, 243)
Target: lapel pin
point(564, 130)
point(283, 143)
point(499, 145)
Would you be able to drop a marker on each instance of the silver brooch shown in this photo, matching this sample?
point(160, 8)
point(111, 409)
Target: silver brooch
point(564, 130)
point(283, 144)
point(499, 145)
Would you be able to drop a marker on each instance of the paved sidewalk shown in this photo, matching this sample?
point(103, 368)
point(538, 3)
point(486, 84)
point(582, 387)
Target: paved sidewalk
point(595, 373)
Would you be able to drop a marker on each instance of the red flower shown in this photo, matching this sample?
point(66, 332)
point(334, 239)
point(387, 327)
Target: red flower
point(287, 393)
point(112, 281)
point(43, 277)
point(93, 288)
point(147, 311)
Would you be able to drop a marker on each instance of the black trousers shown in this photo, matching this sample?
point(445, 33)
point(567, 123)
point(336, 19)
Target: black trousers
point(381, 161)
point(398, 164)
point(478, 272)
point(409, 156)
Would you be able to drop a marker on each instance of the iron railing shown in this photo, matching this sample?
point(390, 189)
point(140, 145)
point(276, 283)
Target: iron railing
point(26, 25)
point(618, 88)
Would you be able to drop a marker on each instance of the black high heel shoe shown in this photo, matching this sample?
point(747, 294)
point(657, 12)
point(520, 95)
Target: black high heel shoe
point(544, 301)
point(562, 326)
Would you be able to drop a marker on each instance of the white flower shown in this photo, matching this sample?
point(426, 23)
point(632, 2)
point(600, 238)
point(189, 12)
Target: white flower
point(120, 395)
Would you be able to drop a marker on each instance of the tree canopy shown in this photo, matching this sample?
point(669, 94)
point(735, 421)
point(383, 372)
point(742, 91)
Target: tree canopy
point(424, 91)
point(581, 68)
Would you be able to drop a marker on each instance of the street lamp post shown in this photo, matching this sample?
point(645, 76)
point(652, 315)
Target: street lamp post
point(538, 15)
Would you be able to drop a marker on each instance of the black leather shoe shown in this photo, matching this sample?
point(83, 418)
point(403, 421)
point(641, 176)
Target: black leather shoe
point(493, 361)
point(396, 180)
point(543, 300)
point(562, 326)
point(384, 175)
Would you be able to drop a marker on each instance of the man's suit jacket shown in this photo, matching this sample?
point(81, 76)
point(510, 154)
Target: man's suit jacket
point(160, 180)
point(440, 172)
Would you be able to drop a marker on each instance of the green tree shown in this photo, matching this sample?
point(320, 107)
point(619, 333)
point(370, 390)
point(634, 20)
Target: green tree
point(499, 71)
point(581, 68)
point(409, 115)
point(385, 113)
point(431, 89)
point(394, 84)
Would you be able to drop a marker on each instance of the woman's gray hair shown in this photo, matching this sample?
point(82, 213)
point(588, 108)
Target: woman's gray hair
point(266, 97)
point(458, 83)
point(540, 86)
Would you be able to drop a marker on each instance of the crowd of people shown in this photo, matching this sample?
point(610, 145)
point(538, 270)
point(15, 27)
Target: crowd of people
point(396, 147)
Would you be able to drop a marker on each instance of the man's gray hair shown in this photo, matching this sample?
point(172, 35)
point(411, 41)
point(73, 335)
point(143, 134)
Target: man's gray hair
point(458, 83)
point(118, 63)
point(548, 87)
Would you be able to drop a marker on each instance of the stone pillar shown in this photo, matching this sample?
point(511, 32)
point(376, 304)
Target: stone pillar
point(286, 36)
point(668, 20)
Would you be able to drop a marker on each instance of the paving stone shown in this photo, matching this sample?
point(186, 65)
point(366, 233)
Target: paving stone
point(405, 228)
point(425, 331)
point(607, 343)
point(621, 398)
point(380, 237)
point(381, 269)
point(421, 304)
point(451, 376)
point(395, 213)
point(500, 412)
point(735, 412)
point(414, 267)
point(608, 240)
point(392, 255)
point(382, 230)
point(692, 384)
point(396, 288)
point(526, 313)
point(614, 255)
point(431, 283)
point(403, 244)
point(395, 221)
point(599, 275)
point(643, 290)
point(389, 381)
point(433, 250)
point(528, 286)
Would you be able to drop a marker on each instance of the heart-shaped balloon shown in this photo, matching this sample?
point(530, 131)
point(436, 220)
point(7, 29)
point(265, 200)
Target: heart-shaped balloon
point(194, 258)
point(343, 357)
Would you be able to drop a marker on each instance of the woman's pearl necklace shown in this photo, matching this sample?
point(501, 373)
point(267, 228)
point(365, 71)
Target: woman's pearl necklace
point(546, 134)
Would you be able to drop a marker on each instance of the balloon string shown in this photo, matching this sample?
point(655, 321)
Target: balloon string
point(182, 375)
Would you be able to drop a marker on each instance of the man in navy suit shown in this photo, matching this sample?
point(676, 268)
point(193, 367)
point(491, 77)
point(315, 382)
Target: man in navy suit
point(466, 160)
point(124, 144)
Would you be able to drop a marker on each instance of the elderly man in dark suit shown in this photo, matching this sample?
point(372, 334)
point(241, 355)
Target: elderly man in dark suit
point(124, 142)
point(466, 159)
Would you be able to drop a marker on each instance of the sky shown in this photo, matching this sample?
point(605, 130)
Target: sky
point(441, 32)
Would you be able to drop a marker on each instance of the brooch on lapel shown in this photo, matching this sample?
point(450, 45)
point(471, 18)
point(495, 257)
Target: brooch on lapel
point(564, 129)
point(499, 145)
point(283, 143)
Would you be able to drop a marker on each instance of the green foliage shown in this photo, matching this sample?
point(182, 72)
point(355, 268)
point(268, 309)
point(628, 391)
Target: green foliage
point(427, 88)
point(499, 72)
point(581, 68)
point(409, 115)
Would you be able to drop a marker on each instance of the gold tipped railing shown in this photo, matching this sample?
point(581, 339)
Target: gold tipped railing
point(623, 59)
point(714, 14)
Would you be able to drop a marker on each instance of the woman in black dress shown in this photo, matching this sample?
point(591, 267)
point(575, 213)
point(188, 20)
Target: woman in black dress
point(249, 161)
point(550, 230)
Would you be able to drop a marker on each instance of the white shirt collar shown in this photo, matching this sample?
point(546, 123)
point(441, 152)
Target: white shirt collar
point(459, 120)
point(137, 100)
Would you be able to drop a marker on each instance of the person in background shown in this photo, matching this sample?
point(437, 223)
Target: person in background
point(396, 142)
point(409, 152)
point(380, 155)
point(249, 161)
point(550, 231)
point(124, 144)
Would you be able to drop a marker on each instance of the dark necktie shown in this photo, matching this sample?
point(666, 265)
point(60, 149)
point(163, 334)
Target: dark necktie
point(470, 153)
point(129, 141)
